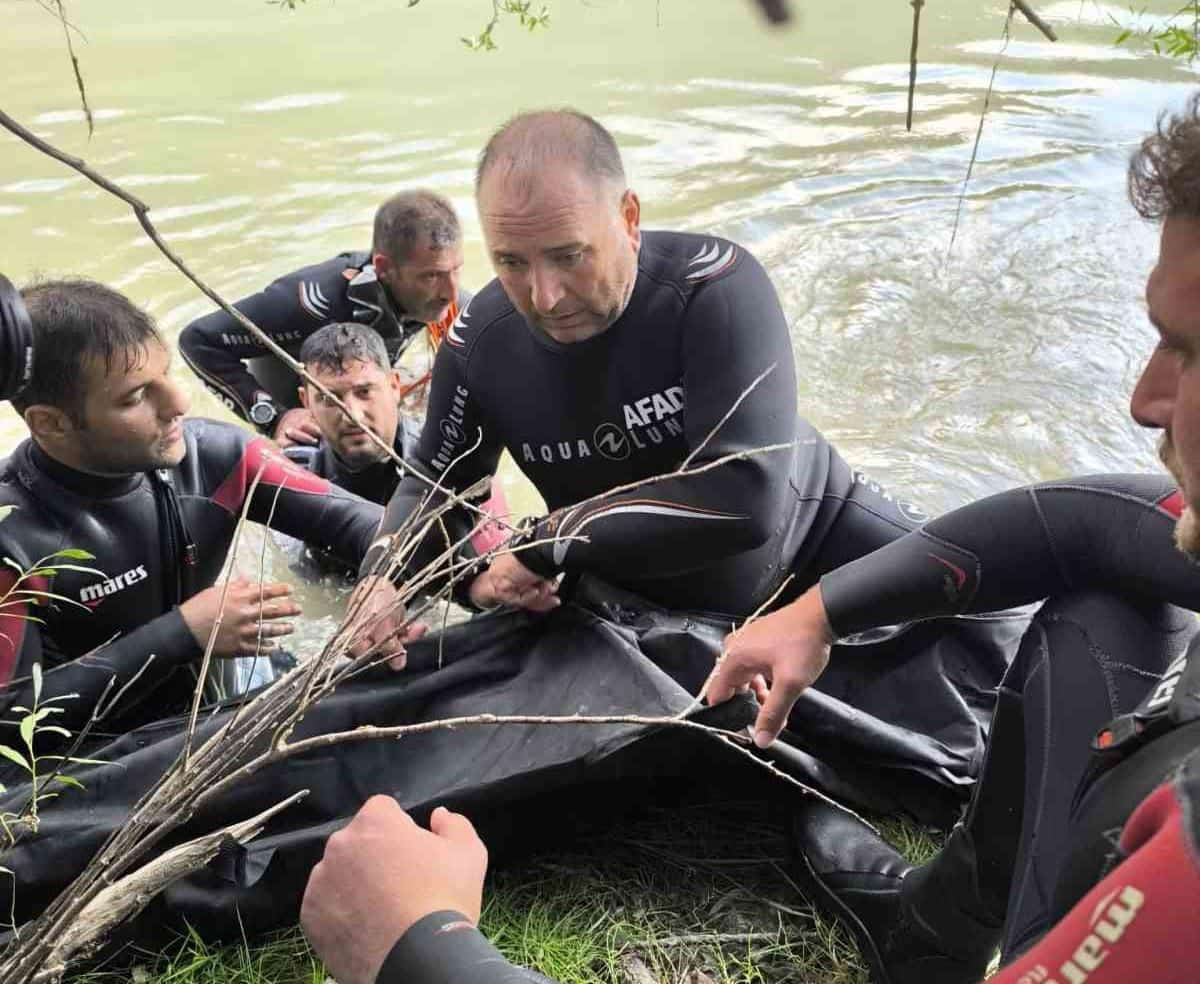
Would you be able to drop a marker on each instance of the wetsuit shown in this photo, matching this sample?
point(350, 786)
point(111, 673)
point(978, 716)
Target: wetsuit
point(1098, 874)
point(702, 331)
point(157, 538)
point(375, 483)
point(290, 309)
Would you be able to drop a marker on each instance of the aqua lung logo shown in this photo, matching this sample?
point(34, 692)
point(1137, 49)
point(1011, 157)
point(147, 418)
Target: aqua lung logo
point(648, 422)
point(454, 434)
point(93, 594)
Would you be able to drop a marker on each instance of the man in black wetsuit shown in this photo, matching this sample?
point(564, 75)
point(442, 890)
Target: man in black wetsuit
point(113, 469)
point(604, 355)
point(1080, 851)
point(405, 284)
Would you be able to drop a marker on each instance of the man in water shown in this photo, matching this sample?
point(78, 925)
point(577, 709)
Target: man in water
point(405, 284)
point(1080, 852)
point(146, 501)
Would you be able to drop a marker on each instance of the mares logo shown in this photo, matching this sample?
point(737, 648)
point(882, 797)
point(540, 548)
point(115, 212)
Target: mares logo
point(93, 594)
point(1110, 919)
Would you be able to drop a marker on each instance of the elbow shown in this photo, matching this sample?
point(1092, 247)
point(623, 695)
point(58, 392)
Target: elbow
point(191, 340)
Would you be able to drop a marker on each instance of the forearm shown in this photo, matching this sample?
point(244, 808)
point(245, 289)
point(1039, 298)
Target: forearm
point(1018, 547)
point(218, 364)
point(446, 948)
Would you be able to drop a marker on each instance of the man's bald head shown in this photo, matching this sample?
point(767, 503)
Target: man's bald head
point(532, 145)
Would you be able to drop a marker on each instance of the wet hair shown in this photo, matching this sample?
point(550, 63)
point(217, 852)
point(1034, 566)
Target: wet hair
point(411, 218)
point(1164, 174)
point(533, 143)
point(77, 321)
point(334, 347)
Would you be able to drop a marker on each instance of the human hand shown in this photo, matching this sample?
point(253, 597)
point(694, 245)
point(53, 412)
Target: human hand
point(380, 875)
point(297, 426)
point(382, 615)
point(509, 582)
point(790, 647)
point(247, 622)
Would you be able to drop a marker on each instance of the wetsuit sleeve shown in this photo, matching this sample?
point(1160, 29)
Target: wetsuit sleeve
point(446, 948)
point(152, 649)
point(454, 424)
point(734, 330)
point(288, 497)
point(1104, 531)
point(288, 310)
point(1137, 923)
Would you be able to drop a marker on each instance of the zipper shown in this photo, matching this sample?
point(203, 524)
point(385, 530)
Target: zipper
point(179, 552)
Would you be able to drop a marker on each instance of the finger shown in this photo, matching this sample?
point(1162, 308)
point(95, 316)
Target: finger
point(399, 661)
point(251, 649)
point(453, 826)
point(267, 630)
point(414, 631)
point(268, 590)
point(282, 609)
point(298, 436)
point(774, 713)
point(730, 675)
point(760, 689)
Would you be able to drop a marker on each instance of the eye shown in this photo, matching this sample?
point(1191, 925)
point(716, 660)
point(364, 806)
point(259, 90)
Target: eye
point(571, 259)
point(508, 262)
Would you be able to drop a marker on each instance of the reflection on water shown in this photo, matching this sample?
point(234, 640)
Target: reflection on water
point(264, 141)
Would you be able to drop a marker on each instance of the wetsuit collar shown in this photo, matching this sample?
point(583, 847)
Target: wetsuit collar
point(81, 483)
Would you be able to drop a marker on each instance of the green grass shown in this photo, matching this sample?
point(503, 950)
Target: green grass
point(704, 889)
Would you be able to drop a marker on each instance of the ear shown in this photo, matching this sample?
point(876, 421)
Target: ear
point(383, 264)
point(631, 215)
point(303, 391)
point(48, 424)
point(396, 383)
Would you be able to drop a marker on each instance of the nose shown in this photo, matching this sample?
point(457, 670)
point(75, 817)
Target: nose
point(176, 400)
point(546, 289)
point(1153, 400)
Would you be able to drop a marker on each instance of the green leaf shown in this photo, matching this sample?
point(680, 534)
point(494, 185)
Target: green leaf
point(14, 756)
point(4, 511)
point(69, 781)
point(1123, 36)
point(37, 682)
point(28, 723)
point(56, 729)
point(73, 553)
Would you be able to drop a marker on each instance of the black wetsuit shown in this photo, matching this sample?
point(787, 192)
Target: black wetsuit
point(375, 483)
point(290, 309)
point(1103, 548)
point(703, 330)
point(158, 538)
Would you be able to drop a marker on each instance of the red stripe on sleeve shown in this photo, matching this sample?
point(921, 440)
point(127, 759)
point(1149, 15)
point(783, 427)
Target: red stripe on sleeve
point(277, 471)
point(1172, 503)
point(13, 622)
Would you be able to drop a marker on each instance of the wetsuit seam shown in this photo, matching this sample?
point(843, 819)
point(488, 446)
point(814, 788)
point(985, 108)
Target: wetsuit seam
point(1054, 552)
point(851, 501)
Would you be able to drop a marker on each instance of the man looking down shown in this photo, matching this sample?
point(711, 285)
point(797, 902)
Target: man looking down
point(405, 284)
point(114, 469)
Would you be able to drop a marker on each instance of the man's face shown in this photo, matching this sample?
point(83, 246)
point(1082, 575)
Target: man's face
point(564, 248)
point(371, 394)
point(132, 415)
point(1167, 396)
point(425, 283)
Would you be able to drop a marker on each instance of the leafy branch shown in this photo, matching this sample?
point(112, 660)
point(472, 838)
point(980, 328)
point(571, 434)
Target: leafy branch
point(1179, 38)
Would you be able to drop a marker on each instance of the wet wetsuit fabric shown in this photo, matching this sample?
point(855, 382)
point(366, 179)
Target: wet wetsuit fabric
point(341, 289)
point(446, 948)
point(703, 330)
point(158, 538)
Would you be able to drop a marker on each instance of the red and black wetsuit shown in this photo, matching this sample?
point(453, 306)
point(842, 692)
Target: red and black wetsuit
point(703, 324)
point(341, 289)
point(157, 538)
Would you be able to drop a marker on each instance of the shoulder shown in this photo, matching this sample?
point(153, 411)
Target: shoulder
point(320, 289)
point(686, 261)
point(480, 316)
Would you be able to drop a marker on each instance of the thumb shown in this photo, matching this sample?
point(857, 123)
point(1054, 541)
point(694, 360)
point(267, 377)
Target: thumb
point(453, 826)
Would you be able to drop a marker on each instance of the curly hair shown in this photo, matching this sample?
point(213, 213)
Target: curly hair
point(1164, 174)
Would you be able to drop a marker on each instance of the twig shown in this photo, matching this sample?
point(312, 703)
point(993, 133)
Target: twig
point(987, 100)
point(912, 61)
point(728, 413)
point(1035, 19)
point(87, 110)
point(700, 939)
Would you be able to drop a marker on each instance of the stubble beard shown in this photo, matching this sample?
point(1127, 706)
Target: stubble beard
point(1187, 527)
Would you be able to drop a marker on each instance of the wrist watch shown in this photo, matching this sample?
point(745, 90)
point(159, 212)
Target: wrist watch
point(263, 410)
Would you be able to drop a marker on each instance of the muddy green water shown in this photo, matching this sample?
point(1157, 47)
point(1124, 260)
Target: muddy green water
point(264, 139)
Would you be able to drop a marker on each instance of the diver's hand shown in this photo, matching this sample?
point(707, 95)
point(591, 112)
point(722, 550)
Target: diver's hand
point(380, 875)
point(789, 647)
point(509, 582)
point(248, 621)
point(297, 426)
point(384, 630)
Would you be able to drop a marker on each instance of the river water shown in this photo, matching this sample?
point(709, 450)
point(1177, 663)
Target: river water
point(263, 140)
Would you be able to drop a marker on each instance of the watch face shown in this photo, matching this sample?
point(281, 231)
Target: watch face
point(262, 412)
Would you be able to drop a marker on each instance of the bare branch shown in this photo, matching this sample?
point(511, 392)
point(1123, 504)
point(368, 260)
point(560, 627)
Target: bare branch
point(1035, 19)
point(728, 413)
point(66, 26)
point(912, 61)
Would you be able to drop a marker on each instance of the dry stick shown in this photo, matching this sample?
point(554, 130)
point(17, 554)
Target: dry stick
point(1035, 19)
point(197, 695)
point(141, 212)
point(728, 413)
point(87, 110)
point(987, 100)
point(912, 62)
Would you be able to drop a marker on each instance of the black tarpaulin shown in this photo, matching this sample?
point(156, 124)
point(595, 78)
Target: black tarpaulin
point(898, 726)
